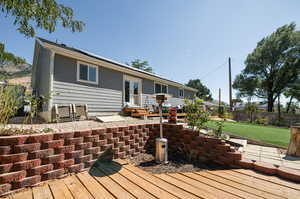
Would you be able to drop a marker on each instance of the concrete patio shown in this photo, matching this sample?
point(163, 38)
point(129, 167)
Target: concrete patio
point(270, 155)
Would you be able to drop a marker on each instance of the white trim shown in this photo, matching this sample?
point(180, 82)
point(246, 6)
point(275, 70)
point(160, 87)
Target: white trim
point(80, 56)
point(130, 78)
point(161, 87)
point(88, 65)
point(179, 92)
point(51, 75)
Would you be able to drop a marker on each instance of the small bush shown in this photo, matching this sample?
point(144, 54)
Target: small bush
point(196, 114)
point(219, 129)
point(262, 121)
point(10, 102)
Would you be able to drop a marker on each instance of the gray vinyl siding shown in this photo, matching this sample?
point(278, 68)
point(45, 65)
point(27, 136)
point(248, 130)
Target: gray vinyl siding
point(97, 99)
point(65, 70)
point(172, 90)
point(106, 96)
point(188, 93)
point(111, 79)
point(148, 86)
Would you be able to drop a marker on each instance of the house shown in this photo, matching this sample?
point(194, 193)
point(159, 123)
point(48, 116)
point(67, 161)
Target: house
point(74, 76)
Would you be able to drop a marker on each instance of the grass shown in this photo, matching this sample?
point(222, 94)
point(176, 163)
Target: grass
point(266, 134)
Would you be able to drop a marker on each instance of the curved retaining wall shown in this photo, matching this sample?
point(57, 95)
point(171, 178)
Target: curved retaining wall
point(27, 160)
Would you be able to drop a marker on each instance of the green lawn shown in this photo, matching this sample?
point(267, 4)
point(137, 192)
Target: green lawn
point(267, 134)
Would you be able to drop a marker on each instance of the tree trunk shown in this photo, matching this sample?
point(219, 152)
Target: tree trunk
point(294, 146)
point(278, 107)
point(270, 103)
point(289, 104)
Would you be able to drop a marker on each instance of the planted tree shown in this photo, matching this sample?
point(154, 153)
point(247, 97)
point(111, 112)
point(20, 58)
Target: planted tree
point(203, 92)
point(246, 87)
point(293, 93)
point(196, 115)
point(251, 109)
point(219, 130)
point(272, 65)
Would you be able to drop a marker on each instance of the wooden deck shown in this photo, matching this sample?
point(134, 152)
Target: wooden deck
point(126, 181)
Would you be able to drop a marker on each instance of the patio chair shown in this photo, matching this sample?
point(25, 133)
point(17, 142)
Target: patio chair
point(80, 111)
point(62, 113)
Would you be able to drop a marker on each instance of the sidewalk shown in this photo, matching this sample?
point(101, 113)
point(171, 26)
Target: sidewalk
point(270, 155)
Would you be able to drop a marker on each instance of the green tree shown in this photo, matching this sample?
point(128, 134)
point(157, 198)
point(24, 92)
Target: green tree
point(44, 14)
point(251, 109)
point(246, 86)
point(196, 115)
point(292, 92)
point(272, 65)
point(7, 57)
point(142, 65)
point(203, 91)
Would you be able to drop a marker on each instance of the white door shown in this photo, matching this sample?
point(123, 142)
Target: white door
point(132, 91)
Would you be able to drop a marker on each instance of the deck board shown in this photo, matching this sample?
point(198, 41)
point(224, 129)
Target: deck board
point(109, 184)
point(180, 193)
point(95, 188)
point(23, 195)
point(272, 179)
point(60, 190)
point(274, 189)
point(286, 191)
point(76, 188)
point(239, 185)
point(196, 191)
point(148, 186)
point(132, 188)
point(42, 192)
point(122, 180)
point(200, 185)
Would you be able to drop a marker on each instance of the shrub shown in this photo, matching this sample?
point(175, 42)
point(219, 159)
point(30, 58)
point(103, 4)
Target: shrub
point(219, 129)
point(10, 102)
point(262, 121)
point(251, 109)
point(196, 114)
point(36, 103)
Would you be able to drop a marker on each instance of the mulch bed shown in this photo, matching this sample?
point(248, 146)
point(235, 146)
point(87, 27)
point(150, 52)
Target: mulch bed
point(147, 163)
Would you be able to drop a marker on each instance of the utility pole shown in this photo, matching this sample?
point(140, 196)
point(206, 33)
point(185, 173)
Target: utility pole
point(219, 102)
point(230, 85)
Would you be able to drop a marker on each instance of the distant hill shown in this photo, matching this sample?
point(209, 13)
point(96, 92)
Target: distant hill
point(17, 74)
point(10, 71)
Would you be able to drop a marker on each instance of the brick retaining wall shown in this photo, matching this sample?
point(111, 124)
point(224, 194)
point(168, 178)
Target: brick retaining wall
point(26, 160)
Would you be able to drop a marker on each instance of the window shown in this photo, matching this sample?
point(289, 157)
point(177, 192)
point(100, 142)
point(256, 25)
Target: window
point(181, 94)
point(127, 90)
point(135, 88)
point(164, 89)
point(161, 88)
point(87, 73)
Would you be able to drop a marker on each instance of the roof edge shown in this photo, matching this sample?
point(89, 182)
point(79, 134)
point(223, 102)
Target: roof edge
point(49, 44)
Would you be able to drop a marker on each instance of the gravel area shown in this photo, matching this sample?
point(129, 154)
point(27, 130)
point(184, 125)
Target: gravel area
point(147, 163)
point(17, 129)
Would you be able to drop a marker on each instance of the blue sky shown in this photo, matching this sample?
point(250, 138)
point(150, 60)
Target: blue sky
point(181, 39)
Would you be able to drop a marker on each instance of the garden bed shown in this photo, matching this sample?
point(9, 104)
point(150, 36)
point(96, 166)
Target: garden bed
point(147, 162)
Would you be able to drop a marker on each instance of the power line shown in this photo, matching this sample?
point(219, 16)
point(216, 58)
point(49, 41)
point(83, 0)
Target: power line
point(214, 70)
